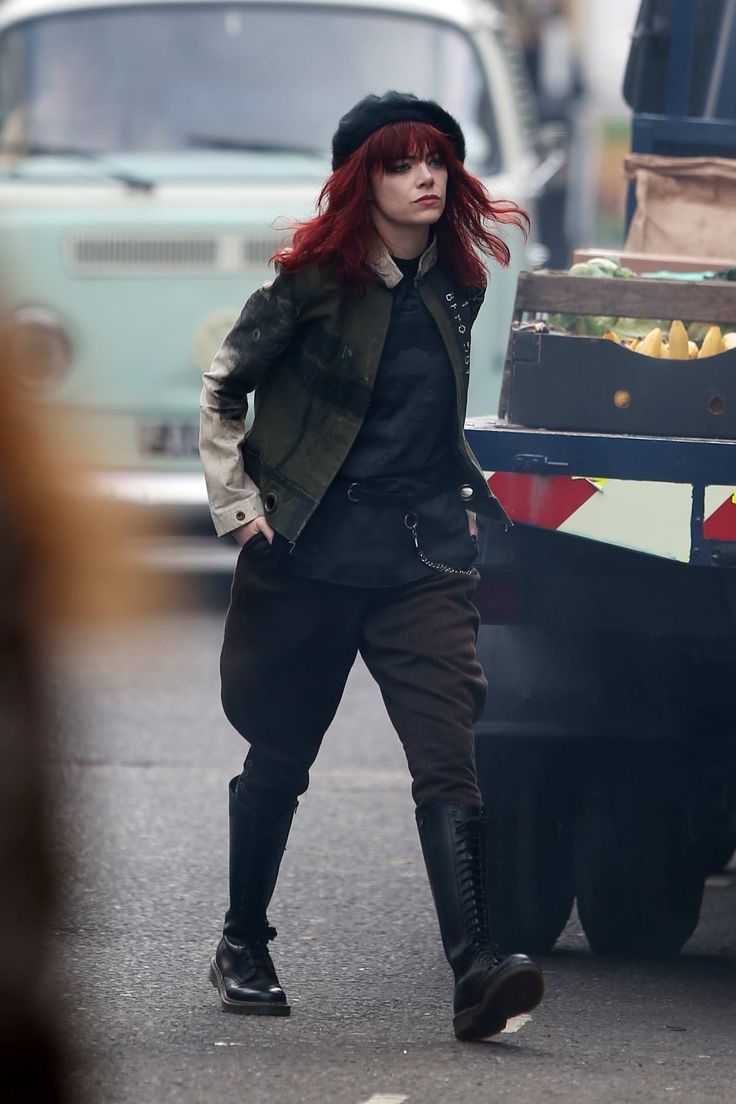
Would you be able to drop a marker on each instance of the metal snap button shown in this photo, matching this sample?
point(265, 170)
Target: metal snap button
point(270, 502)
point(240, 516)
point(466, 491)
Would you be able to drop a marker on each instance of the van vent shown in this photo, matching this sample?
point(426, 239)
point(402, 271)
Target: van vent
point(101, 254)
point(258, 251)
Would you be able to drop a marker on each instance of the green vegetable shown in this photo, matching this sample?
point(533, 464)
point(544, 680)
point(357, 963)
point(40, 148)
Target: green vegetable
point(607, 265)
point(585, 269)
point(638, 327)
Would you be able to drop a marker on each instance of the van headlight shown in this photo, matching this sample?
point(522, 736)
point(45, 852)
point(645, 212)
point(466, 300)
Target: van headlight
point(41, 350)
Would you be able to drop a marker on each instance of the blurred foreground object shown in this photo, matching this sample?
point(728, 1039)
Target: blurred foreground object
point(71, 541)
point(29, 1043)
point(60, 562)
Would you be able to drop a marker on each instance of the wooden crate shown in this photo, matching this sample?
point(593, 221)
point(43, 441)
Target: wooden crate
point(553, 381)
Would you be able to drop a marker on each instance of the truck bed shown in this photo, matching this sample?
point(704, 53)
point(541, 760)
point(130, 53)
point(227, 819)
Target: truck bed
point(672, 498)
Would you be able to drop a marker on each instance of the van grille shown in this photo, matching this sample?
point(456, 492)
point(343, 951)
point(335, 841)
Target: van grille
point(259, 251)
point(101, 254)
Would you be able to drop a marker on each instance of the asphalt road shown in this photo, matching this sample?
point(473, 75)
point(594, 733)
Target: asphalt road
point(142, 756)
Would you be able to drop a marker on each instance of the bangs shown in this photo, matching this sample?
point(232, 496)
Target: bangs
point(343, 233)
point(409, 138)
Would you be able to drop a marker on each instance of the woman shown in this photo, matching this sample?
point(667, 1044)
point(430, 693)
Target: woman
point(349, 499)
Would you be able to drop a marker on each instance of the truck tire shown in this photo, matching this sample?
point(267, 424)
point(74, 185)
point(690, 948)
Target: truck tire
point(639, 876)
point(717, 829)
point(721, 843)
point(528, 797)
point(720, 857)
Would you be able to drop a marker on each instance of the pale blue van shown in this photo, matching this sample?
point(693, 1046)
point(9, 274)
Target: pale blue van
point(149, 156)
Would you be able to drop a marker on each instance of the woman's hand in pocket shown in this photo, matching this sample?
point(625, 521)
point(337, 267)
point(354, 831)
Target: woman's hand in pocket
point(247, 532)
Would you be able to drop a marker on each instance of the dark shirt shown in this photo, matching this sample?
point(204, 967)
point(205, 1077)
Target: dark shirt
point(408, 425)
point(403, 445)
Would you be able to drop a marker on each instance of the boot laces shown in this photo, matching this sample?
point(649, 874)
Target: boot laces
point(473, 893)
point(259, 846)
point(252, 948)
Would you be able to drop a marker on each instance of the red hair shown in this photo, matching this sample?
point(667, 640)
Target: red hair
point(343, 233)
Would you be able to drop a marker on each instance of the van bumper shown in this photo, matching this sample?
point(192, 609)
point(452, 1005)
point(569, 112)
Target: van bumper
point(159, 502)
point(169, 520)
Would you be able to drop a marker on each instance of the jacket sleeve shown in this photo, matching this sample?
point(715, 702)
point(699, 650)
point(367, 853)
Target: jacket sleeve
point(261, 333)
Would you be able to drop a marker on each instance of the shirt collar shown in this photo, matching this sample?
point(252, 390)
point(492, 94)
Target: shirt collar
point(389, 272)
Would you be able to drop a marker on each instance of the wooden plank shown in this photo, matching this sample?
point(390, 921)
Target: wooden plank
point(558, 293)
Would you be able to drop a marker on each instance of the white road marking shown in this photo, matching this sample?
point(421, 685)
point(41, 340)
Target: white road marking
point(516, 1023)
point(385, 1098)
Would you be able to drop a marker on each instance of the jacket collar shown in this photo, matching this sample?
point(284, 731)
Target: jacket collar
point(389, 272)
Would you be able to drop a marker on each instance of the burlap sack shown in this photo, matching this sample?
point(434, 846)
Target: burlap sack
point(684, 206)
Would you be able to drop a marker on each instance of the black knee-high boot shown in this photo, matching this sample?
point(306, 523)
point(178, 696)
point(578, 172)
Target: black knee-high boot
point(488, 989)
point(241, 969)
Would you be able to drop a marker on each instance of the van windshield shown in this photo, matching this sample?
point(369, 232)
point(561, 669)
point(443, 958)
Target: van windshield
point(265, 78)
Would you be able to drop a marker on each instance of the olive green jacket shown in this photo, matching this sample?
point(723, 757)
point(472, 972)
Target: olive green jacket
point(310, 351)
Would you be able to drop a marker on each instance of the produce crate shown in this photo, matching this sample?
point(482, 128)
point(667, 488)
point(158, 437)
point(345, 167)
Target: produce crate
point(555, 381)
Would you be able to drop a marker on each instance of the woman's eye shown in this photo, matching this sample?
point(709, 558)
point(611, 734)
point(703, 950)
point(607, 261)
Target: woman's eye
point(400, 166)
point(437, 161)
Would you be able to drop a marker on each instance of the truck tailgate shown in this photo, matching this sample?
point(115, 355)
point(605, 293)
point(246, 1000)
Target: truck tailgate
point(673, 498)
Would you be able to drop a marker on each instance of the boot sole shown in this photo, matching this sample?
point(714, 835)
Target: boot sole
point(518, 990)
point(244, 1008)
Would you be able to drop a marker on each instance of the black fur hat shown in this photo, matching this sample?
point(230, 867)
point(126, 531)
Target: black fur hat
point(373, 112)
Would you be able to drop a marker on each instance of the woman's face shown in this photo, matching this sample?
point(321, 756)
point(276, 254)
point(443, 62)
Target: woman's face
point(411, 192)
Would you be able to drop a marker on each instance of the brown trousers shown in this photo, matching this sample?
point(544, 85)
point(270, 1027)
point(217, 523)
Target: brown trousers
point(288, 649)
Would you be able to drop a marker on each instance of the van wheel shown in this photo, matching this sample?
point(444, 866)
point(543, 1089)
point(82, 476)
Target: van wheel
point(639, 877)
point(527, 789)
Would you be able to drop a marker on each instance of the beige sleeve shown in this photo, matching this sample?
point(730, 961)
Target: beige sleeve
point(263, 330)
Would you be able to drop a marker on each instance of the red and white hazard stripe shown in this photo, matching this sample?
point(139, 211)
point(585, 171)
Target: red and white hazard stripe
point(643, 516)
point(719, 518)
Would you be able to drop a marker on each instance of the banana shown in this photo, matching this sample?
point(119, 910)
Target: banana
point(729, 341)
point(664, 352)
point(712, 342)
point(652, 343)
point(609, 335)
point(692, 350)
point(678, 342)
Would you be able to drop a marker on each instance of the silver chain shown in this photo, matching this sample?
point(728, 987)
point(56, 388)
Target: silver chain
point(411, 525)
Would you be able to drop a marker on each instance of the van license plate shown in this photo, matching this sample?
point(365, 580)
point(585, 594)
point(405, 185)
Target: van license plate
point(168, 438)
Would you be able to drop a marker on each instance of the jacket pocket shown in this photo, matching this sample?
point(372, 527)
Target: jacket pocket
point(256, 546)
